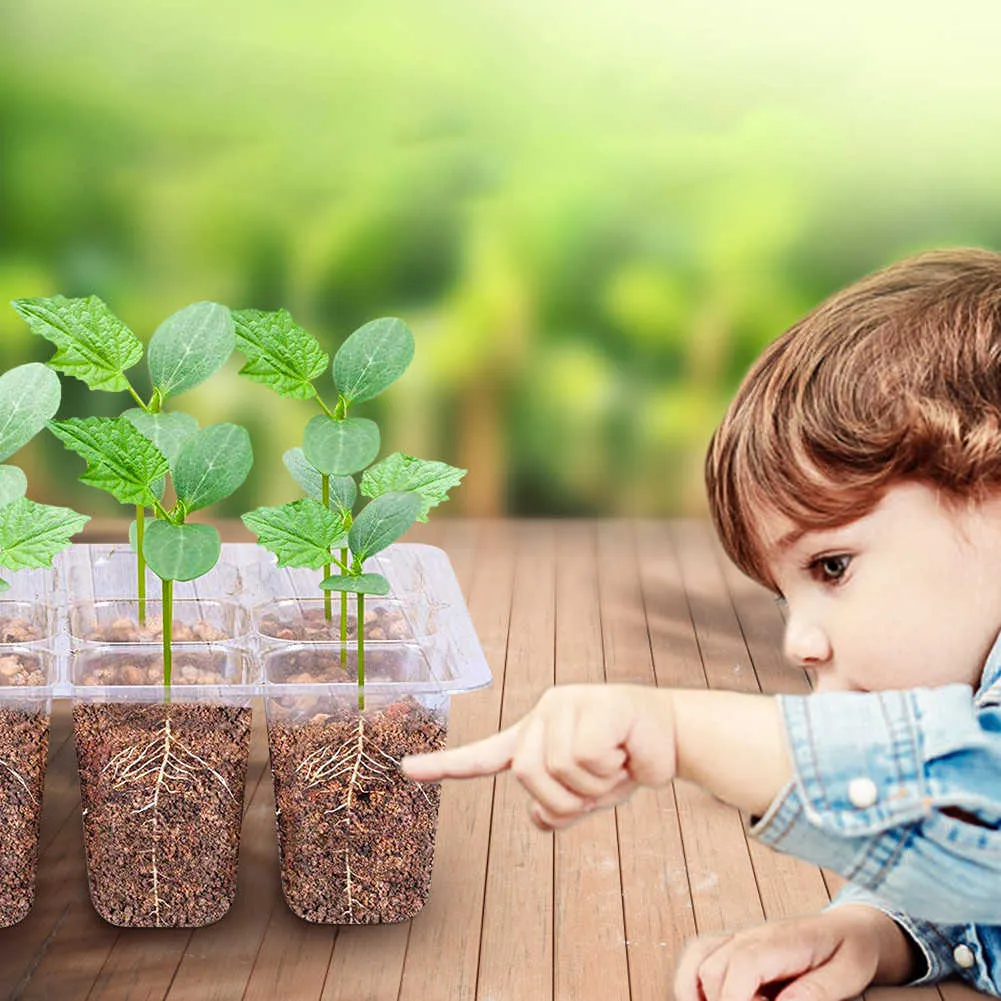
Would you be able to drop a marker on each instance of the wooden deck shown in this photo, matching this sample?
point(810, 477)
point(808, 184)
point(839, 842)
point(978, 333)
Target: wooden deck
point(596, 913)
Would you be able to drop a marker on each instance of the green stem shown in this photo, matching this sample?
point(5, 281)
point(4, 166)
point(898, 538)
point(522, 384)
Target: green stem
point(361, 652)
point(344, 612)
point(136, 396)
point(140, 528)
point(323, 406)
point(325, 488)
point(167, 592)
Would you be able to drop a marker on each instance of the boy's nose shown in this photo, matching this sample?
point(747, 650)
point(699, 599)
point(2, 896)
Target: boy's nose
point(806, 645)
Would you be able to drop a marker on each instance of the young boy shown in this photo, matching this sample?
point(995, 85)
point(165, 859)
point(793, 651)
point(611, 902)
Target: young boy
point(857, 474)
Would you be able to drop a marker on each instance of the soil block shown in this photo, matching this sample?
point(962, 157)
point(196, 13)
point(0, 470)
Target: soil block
point(355, 836)
point(162, 786)
point(24, 746)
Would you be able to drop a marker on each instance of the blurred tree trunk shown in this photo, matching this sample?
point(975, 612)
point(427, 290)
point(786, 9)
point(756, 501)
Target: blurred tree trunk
point(482, 448)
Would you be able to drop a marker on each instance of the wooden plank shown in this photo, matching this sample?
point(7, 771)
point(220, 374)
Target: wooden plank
point(450, 924)
point(516, 958)
point(589, 936)
point(655, 886)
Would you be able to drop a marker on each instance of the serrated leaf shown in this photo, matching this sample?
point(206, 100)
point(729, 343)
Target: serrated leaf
point(181, 552)
point(365, 583)
point(167, 430)
point(280, 353)
point(343, 489)
point(189, 346)
point(300, 534)
point(212, 464)
point(397, 472)
point(340, 447)
point(381, 522)
point(94, 345)
point(31, 534)
point(123, 461)
point(13, 484)
point(372, 358)
point(29, 397)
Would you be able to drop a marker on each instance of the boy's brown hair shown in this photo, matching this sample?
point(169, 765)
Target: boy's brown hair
point(897, 376)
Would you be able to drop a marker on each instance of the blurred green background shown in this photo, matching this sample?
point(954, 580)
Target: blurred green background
point(593, 215)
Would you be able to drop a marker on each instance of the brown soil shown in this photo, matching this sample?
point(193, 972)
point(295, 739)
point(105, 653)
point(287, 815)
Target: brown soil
point(137, 668)
point(126, 630)
point(310, 624)
point(355, 836)
point(162, 789)
point(21, 669)
point(24, 746)
point(15, 630)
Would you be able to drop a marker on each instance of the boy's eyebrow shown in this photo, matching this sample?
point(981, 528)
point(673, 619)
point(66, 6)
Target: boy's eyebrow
point(790, 539)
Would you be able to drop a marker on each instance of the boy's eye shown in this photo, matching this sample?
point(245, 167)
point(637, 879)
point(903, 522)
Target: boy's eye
point(830, 568)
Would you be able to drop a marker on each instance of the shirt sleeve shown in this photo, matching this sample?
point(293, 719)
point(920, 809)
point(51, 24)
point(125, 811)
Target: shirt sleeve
point(898, 792)
point(965, 951)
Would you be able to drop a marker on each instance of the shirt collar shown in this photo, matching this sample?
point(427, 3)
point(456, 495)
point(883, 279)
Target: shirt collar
point(990, 681)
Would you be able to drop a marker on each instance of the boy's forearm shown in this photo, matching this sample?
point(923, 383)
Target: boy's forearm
point(900, 959)
point(731, 744)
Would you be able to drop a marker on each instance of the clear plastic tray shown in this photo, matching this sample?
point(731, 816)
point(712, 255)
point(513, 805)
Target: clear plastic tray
point(442, 649)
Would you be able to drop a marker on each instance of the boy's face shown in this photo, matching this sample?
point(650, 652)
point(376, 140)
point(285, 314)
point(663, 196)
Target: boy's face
point(908, 596)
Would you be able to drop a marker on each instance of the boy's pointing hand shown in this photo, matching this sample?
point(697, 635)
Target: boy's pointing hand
point(582, 747)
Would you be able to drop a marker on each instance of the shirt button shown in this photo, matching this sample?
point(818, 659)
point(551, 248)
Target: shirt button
point(963, 955)
point(862, 793)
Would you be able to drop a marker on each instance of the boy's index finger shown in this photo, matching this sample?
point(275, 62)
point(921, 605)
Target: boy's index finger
point(483, 757)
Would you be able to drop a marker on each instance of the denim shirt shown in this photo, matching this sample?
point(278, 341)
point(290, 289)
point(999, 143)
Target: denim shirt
point(900, 793)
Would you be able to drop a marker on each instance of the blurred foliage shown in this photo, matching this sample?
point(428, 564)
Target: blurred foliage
point(593, 216)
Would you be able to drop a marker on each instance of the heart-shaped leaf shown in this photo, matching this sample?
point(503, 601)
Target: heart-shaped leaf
point(181, 552)
point(168, 431)
point(189, 346)
point(340, 447)
point(29, 397)
point(372, 358)
point(364, 583)
point(212, 464)
point(381, 522)
point(343, 489)
point(13, 484)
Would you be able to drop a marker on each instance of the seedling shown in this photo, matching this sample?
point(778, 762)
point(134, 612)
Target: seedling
point(96, 347)
point(335, 448)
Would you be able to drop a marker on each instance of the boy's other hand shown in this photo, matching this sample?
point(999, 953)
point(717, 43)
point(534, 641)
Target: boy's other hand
point(582, 747)
point(830, 956)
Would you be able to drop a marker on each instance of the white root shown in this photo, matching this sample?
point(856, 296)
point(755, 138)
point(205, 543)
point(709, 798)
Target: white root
point(174, 766)
point(20, 778)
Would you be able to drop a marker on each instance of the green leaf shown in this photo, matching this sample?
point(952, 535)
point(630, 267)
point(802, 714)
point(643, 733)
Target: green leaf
point(340, 447)
point(279, 352)
point(31, 534)
point(431, 480)
point(212, 464)
point(189, 346)
point(94, 345)
point(13, 484)
point(372, 358)
point(364, 583)
point(29, 397)
point(167, 430)
point(300, 534)
point(181, 552)
point(122, 460)
point(134, 535)
point(382, 521)
point(4, 585)
point(343, 489)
